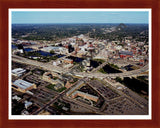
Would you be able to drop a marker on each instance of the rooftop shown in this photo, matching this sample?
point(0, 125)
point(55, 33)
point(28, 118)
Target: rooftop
point(84, 94)
point(22, 84)
point(18, 71)
point(125, 53)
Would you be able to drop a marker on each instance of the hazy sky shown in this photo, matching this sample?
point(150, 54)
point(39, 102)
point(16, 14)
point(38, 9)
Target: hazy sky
point(31, 17)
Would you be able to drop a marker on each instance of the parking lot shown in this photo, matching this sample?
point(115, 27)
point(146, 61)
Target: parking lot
point(103, 90)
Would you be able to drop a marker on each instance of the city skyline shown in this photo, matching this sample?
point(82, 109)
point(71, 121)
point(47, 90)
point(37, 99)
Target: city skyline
point(48, 17)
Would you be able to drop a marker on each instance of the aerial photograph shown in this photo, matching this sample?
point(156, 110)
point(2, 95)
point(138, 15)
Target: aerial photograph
point(79, 62)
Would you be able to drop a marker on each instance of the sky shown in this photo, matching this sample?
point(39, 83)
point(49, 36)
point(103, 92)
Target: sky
point(38, 17)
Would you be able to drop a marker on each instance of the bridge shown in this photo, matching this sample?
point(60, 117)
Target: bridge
point(132, 73)
point(100, 66)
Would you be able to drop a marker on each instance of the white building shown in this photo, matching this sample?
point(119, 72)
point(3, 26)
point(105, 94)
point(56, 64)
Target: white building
point(25, 112)
point(27, 104)
point(16, 98)
point(18, 71)
point(55, 49)
point(23, 86)
point(55, 63)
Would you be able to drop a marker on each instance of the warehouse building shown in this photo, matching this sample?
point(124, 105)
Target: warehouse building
point(68, 61)
point(80, 84)
point(125, 54)
point(52, 78)
point(84, 95)
point(18, 71)
point(23, 86)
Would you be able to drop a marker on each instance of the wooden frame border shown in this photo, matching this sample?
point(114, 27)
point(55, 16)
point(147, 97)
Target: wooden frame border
point(6, 4)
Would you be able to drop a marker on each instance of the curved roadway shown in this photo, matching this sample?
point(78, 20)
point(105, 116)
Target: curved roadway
point(53, 68)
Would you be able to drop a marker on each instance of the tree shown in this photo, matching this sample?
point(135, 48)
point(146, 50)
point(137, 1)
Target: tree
point(52, 52)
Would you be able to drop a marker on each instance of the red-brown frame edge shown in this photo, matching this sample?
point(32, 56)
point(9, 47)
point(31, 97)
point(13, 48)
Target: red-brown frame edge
point(6, 4)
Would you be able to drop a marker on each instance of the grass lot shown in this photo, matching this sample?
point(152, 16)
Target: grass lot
point(99, 60)
point(102, 71)
point(51, 86)
point(113, 66)
point(61, 89)
point(134, 67)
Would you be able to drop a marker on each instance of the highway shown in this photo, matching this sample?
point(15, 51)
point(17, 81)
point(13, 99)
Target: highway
point(100, 66)
point(113, 75)
point(45, 66)
point(50, 67)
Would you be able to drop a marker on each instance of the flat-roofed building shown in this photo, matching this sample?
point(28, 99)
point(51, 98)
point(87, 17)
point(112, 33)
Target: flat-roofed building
point(55, 49)
point(16, 98)
point(18, 71)
point(68, 84)
point(58, 86)
point(27, 104)
point(68, 61)
point(80, 84)
point(52, 78)
point(84, 95)
point(23, 86)
point(125, 54)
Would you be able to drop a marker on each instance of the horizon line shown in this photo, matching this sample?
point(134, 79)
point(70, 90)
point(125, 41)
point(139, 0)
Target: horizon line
point(79, 23)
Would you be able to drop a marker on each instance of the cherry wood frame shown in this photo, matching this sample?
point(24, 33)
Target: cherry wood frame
point(6, 4)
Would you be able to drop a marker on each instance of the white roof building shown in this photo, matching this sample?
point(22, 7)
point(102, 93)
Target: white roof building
point(25, 112)
point(65, 108)
point(22, 85)
point(48, 49)
point(18, 71)
point(27, 104)
point(16, 98)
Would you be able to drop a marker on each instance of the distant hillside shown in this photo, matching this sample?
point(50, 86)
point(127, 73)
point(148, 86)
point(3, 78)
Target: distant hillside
point(121, 26)
point(54, 32)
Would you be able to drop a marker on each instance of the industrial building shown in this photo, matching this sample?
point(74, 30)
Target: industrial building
point(16, 98)
point(18, 71)
point(84, 95)
point(125, 54)
point(68, 61)
point(52, 78)
point(56, 49)
point(27, 104)
point(49, 77)
point(68, 84)
point(74, 88)
point(23, 86)
point(58, 86)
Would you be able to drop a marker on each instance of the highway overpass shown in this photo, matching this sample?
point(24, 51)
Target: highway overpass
point(50, 67)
